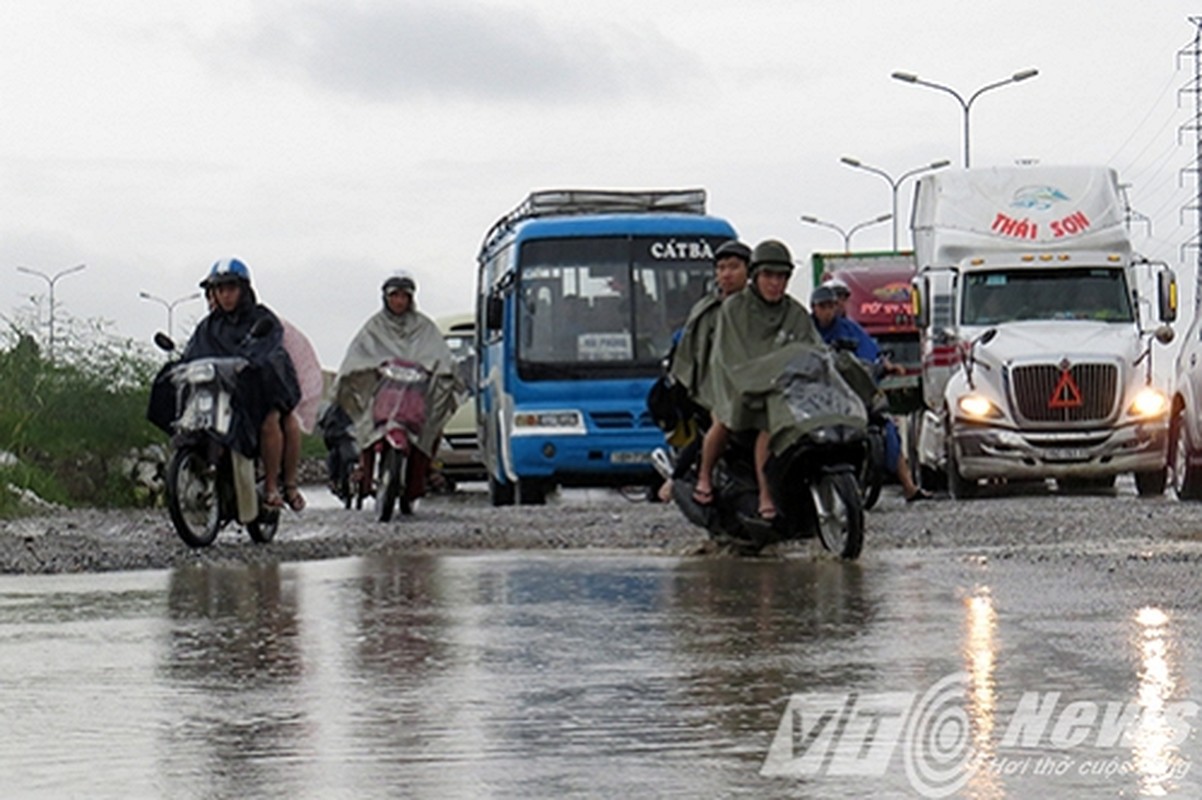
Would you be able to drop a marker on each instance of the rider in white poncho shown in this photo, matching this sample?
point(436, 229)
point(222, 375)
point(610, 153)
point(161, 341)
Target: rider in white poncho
point(398, 330)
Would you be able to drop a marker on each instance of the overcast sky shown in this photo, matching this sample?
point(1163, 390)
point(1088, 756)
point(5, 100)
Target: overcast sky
point(330, 143)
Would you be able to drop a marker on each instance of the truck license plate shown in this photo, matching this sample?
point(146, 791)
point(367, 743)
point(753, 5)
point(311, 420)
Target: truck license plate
point(1066, 454)
point(629, 457)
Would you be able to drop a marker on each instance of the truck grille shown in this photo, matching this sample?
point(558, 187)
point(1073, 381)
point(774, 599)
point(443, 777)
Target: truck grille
point(1036, 384)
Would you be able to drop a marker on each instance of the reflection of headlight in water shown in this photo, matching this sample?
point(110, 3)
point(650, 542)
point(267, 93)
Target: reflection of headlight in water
point(1153, 737)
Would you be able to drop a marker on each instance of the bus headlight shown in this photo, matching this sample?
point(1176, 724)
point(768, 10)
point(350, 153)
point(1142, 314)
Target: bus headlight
point(1149, 402)
point(977, 406)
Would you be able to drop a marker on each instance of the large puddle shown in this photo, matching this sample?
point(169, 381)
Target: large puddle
point(590, 675)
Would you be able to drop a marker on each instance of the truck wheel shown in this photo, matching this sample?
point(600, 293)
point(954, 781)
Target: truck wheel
point(1187, 477)
point(927, 477)
point(959, 487)
point(1151, 484)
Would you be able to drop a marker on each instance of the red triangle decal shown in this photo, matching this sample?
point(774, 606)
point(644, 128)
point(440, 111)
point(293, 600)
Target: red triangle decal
point(1066, 394)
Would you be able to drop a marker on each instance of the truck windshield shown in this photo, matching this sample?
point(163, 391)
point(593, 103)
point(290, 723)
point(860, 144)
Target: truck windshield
point(1096, 293)
point(602, 306)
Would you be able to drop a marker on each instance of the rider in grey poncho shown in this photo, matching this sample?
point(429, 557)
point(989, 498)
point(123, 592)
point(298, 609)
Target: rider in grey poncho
point(398, 330)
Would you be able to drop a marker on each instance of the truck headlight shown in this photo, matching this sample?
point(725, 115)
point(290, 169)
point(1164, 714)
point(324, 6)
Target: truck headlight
point(978, 407)
point(1149, 402)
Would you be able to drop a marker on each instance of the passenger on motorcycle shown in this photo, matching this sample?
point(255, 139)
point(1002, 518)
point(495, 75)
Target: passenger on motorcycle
point(834, 327)
point(689, 364)
point(752, 323)
point(398, 330)
point(268, 391)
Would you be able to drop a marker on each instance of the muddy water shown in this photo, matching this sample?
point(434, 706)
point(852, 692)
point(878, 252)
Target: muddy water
point(588, 675)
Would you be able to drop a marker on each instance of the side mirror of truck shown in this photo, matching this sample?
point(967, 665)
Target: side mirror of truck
point(918, 304)
point(1166, 295)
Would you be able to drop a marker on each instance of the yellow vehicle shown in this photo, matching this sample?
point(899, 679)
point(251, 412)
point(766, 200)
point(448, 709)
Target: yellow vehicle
point(459, 453)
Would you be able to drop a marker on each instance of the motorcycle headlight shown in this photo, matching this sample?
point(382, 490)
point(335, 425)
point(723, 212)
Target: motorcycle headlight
point(977, 406)
point(400, 374)
point(200, 371)
point(1149, 402)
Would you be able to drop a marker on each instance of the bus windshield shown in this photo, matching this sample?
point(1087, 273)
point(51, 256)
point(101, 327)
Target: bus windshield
point(1097, 293)
point(604, 306)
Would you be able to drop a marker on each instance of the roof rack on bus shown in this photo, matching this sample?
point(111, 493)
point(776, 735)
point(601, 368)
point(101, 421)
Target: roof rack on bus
point(565, 202)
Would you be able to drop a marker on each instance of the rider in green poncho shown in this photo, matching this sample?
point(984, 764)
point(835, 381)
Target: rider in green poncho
point(753, 323)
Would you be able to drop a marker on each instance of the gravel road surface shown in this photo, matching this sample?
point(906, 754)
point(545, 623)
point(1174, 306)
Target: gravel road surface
point(1112, 530)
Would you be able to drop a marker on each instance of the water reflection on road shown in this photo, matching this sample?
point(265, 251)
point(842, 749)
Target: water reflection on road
point(538, 675)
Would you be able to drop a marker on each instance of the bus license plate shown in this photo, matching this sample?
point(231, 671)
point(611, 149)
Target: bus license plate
point(629, 457)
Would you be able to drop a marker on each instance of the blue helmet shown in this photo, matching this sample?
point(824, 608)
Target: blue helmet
point(227, 270)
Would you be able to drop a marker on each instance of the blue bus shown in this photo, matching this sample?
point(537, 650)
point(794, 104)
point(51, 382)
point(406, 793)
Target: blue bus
point(578, 296)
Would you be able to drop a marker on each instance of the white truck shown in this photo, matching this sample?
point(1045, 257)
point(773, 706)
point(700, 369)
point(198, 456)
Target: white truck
point(1037, 329)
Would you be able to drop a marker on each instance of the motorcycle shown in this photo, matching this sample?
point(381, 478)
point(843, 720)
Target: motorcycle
point(209, 483)
point(399, 414)
point(818, 429)
point(342, 454)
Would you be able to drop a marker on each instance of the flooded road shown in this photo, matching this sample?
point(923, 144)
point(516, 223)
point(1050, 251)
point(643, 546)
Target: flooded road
point(551, 675)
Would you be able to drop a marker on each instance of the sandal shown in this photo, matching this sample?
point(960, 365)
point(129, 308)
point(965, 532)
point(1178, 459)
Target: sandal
point(273, 500)
point(920, 494)
point(295, 500)
point(767, 513)
point(703, 497)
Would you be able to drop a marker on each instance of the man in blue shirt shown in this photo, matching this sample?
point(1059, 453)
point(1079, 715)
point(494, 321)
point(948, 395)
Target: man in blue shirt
point(833, 327)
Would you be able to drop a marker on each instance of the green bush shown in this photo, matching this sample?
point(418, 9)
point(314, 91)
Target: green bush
point(71, 421)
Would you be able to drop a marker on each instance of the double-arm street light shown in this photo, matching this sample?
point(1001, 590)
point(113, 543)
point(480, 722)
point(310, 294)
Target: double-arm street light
point(894, 183)
point(50, 281)
point(170, 306)
point(846, 233)
point(908, 77)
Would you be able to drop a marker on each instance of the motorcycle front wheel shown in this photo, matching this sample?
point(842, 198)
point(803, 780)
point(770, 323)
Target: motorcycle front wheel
point(192, 497)
point(390, 482)
point(840, 512)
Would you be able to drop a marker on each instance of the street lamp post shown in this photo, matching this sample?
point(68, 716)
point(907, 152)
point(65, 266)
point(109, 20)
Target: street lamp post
point(50, 281)
point(894, 184)
point(846, 234)
point(170, 306)
point(908, 77)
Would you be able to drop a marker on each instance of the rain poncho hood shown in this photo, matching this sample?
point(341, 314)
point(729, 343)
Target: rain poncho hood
point(748, 329)
point(414, 337)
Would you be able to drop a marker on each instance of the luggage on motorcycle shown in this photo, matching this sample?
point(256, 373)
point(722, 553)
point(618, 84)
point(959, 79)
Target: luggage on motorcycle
point(673, 411)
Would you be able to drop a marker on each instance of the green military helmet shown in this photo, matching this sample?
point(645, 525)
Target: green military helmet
point(773, 256)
